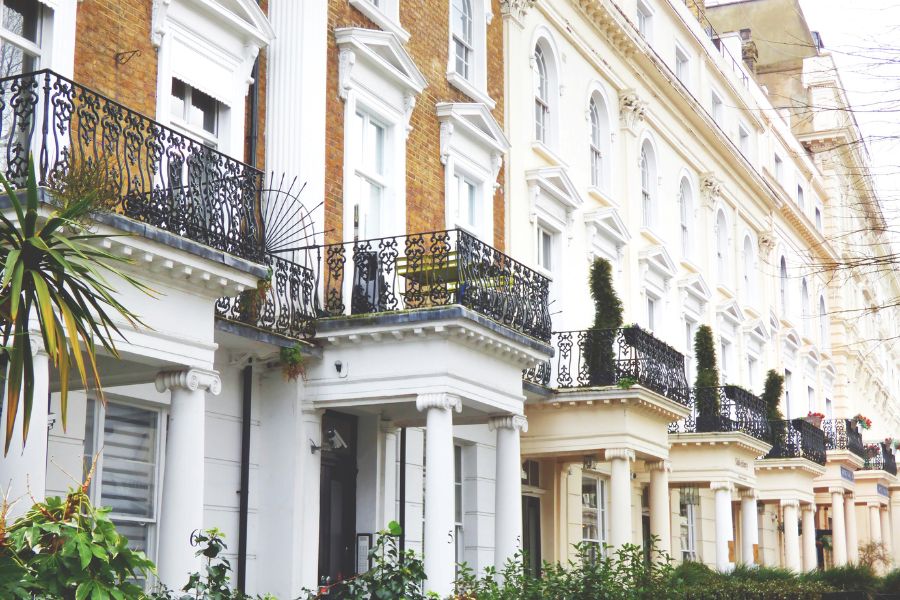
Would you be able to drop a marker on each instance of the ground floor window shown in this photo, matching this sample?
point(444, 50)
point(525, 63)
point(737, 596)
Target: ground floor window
point(128, 440)
point(593, 512)
point(458, 504)
point(689, 506)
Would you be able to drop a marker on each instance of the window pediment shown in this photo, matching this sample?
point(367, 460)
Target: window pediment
point(555, 182)
point(757, 329)
point(791, 340)
point(476, 120)
point(695, 287)
point(657, 260)
point(731, 312)
point(384, 53)
point(608, 223)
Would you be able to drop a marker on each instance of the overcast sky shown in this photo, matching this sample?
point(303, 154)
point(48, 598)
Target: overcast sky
point(864, 37)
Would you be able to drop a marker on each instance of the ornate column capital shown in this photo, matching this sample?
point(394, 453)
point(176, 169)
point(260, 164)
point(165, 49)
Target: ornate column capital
point(189, 379)
point(874, 504)
point(440, 400)
point(721, 485)
point(660, 465)
point(515, 9)
point(809, 507)
point(750, 494)
point(836, 490)
point(514, 422)
point(619, 453)
point(790, 503)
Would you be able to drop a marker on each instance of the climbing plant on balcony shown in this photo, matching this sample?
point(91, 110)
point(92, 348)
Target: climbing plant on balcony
point(54, 272)
point(599, 354)
point(705, 384)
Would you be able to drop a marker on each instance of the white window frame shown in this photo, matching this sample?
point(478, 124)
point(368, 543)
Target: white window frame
point(783, 287)
point(384, 13)
point(182, 123)
point(644, 21)
point(726, 358)
point(545, 242)
point(819, 222)
point(717, 109)
point(748, 262)
point(459, 513)
point(648, 186)
point(596, 145)
point(685, 216)
point(354, 163)
point(35, 49)
point(99, 420)
point(723, 255)
point(690, 330)
point(823, 324)
point(542, 96)
point(804, 308)
point(788, 384)
point(689, 520)
point(682, 66)
point(779, 169)
point(801, 197)
point(744, 141)
point(602, 510)
point(473, 83)
point(652, 311)
point(752, 370)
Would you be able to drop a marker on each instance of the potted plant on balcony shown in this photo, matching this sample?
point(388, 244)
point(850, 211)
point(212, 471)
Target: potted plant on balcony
point(599, 353)
point(707, 380)
point(861, 421)
point(771, 397)
point(815, 419)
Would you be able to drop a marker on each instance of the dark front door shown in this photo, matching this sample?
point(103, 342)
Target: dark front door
point(337, 508)
point(531, 533)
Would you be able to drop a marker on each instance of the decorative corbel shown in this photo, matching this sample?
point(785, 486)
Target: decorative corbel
point(446, 134)
point(157, 21)
point(766, 243)
point(409, 103)
point(346, 60)
point(710, 188)
point(533, 192)
point(496, 164)
point(631, 110)
point(515, 9)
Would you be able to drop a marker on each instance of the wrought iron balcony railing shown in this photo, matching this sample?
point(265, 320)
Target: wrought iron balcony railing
point(842, 434)
point(738, 410)
point(880, 457)
point(160, 176)
point(795, 438)
point(284, 305)
point(604, 357)
point(441, 268)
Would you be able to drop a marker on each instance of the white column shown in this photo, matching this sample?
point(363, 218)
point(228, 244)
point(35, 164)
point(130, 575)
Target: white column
point(620, 496)
point(810, 560)
point(310, 497)
point(895, 524)
point(852, 537)
point(440, 559)
point(874, 522)
point(724, 525)
point(388, 467)
point(791, 537)
point(181, 512)
point(886, 532)
point(749, 527)
point(660, 521)
point(838, 527)
point(23, 472)
point(508, 488)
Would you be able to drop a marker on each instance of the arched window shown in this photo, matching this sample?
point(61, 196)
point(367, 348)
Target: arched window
point(596, 152)
point(782, 285)
point(684, 212)
point(541, 96)
point(648, 184)
point(748, 270)
point(804, 306)
point(463, 39)
point(722, 246)
point(823, 324)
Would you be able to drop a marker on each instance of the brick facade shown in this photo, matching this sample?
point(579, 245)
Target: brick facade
point(429, 47)
point(105, 28)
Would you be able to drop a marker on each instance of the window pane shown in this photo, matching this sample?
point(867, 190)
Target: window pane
point(129, 460)
point(178, 99)
point(15, 60)
point(22, 18)
point(204, 111)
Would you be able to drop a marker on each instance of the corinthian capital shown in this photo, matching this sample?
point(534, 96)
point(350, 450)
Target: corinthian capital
point(516, 422)
point(440, 400)
point(515, 9)
point(189, 379)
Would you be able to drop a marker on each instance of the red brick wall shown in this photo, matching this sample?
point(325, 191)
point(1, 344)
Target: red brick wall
point(428, 46)
point(104, 28)
point(261, 108)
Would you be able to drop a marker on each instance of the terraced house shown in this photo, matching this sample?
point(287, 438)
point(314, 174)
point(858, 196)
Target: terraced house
point(393, 324)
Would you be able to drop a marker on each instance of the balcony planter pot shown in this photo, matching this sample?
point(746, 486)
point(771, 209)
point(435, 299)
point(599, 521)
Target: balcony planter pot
point(814, 421)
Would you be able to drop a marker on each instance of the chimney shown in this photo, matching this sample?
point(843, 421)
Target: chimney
point(749, 51)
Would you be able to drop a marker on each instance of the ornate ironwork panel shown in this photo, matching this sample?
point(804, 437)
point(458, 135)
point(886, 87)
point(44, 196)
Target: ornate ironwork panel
point(605, 357)
point(439, 268)
point(880, 457)
point(285, 305)
point(731, 409)
point(842, 434)
point(796, 438)
point(160, 176)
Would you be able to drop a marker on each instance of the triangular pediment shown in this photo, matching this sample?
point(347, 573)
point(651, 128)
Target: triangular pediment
point(658, 260)
point(791, 338)
point(608, 221)
point(249, 12)
point(387, 53)
point(757, 328)
point(477, 119)
point(556, 182)
point(695, 286)
point(731, 311)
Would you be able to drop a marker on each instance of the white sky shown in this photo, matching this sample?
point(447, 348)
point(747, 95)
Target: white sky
point(864, 37)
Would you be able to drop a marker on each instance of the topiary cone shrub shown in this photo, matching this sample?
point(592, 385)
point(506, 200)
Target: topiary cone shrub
point(707, 380)
point(599, 353)
point(771, 397)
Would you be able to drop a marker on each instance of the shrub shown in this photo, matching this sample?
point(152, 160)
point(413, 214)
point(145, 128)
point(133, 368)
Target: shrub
point(771, 396)
point(890, 583)
point(856, 578)
point(599, 354)
point(707, 396)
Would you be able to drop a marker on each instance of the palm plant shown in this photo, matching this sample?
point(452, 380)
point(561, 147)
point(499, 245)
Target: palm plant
point(51, 271)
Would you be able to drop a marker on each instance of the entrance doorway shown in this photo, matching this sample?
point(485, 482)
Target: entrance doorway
point(531, 533)
point(337, 506)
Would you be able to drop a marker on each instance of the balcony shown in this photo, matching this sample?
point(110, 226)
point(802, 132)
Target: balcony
point(739, 411)
point(796, 438)
point(434, 270)
point(880, 457)
point(624, 357)
point(842, 434)
point(159, 176)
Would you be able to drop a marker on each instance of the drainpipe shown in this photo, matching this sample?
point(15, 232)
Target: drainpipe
point(402, 512)
point(244, 507)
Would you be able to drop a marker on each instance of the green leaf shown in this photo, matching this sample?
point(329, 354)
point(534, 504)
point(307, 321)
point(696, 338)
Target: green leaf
point(84, 553)
point(84, 588)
